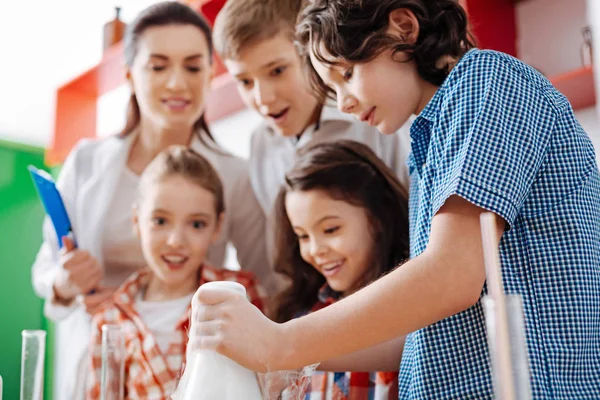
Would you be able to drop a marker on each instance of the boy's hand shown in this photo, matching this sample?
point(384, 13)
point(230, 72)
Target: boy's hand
point(227, 323)
point(81, 272)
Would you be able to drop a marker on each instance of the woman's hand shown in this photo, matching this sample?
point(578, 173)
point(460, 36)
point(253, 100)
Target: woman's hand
point(81, 272)
point(227, 323)
point(93, 301)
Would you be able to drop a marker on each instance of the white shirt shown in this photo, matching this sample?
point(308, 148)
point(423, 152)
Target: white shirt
point(161, 318)
point(273, 155)
point(121, 246)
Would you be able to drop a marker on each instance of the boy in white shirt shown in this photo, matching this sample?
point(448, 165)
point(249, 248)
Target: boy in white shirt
point(255, 39)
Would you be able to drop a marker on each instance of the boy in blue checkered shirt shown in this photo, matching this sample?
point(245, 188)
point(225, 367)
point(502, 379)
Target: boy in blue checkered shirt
point(491, 134)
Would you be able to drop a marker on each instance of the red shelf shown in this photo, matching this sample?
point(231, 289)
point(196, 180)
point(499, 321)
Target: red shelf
point(577, 86)
point(107, 75)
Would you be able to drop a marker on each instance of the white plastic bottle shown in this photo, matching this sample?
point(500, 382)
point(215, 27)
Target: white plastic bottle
point(211, 376)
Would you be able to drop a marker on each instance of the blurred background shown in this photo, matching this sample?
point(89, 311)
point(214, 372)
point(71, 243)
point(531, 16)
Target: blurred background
point(58, 84)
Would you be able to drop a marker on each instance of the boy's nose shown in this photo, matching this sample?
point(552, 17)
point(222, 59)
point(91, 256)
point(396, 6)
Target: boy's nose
point(346, 104)
point(263, 94)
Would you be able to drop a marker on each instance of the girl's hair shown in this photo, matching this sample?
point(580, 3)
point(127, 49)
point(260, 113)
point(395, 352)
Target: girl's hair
point(355, 31)
point(183, 162)
point(348, 171)
point(162, 14)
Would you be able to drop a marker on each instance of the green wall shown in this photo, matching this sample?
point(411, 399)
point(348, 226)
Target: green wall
point(21, 215)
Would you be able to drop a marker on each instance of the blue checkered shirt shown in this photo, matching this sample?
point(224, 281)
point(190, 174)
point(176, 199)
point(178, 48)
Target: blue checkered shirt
point(499, 135)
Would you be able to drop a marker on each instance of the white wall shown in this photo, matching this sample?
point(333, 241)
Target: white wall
point(43, 45)
point(549, 38)
point(549, 34)
point(594, 21)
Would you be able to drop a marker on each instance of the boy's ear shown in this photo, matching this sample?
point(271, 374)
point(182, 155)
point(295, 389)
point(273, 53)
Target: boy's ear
point(129, 80)
point(135, 219)
point(403, 24)
point(218, 227)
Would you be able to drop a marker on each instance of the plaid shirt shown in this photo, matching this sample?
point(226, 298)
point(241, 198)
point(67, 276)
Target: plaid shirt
point(149, 372)
point(349, 385)
point(497, 134)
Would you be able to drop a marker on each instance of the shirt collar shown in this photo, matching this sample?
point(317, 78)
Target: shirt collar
point(420, 136)
point(420, 130)
point(329, 113)
point(327, 295)
point(127, 293)
point(432, 109)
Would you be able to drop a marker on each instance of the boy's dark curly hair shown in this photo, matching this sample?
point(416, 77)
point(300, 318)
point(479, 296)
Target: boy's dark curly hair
point(355, 31)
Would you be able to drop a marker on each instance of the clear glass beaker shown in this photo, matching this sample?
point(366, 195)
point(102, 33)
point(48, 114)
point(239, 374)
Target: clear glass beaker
point(519, 360)
point(112, 381)
point(33, 350)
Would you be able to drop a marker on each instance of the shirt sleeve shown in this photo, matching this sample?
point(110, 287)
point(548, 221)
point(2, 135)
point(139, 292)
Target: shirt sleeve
point(491, 136)
point(248, 234)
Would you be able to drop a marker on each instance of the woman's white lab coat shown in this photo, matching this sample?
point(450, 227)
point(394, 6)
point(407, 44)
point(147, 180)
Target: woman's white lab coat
point(87, 183)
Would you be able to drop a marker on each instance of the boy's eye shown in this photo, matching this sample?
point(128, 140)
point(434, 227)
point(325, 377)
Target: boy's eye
point(331, 230)
point(348, 74)
point(278, 71)
point(198, 224)
point(159, 221)
point(244, 82)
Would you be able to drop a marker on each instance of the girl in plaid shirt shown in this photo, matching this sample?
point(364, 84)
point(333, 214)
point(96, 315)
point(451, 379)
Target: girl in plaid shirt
point(342, 221)
point(177, 217)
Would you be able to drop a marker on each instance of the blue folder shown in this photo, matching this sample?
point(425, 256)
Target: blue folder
point(53, 203)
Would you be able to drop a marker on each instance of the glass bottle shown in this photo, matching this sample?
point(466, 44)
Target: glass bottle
point(33, 348)
point(114, 30)
point(586, 47)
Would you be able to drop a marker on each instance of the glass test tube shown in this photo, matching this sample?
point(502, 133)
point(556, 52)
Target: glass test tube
point(519, 361)
point(112, 382)
point(33, 348)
